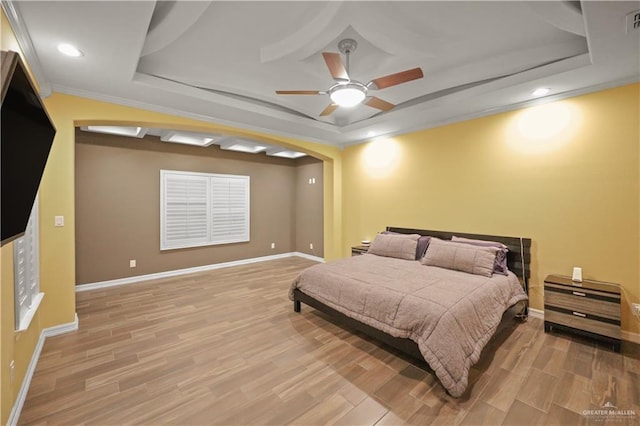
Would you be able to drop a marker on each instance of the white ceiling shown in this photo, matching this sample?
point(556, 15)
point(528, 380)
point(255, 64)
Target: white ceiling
point(223, 61)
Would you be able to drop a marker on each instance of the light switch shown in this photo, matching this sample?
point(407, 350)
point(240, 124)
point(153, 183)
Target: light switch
point(59, 220)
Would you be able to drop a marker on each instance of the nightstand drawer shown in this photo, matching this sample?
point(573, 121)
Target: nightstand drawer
point(596, 303)
point(590, 308)
point(575, 319)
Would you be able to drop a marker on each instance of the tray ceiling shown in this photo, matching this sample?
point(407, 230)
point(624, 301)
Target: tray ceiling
point(223, 61)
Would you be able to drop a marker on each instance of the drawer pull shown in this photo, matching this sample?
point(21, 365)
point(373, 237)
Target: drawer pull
point(578, 314)
point(577, 293)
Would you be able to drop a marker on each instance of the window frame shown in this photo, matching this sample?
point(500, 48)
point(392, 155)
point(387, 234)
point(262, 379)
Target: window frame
point(165, 244)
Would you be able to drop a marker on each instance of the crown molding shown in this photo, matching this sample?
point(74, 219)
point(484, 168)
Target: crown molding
point(185, 114)
point(12, 12)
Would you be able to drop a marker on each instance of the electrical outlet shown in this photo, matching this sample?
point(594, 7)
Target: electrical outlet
point(132, 263)
point(273, 245)
point(12, 370)
point(636, 309)
point(310, 246)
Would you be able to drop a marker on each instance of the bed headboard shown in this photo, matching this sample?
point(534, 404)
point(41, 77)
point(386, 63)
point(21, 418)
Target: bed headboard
point(519, 248)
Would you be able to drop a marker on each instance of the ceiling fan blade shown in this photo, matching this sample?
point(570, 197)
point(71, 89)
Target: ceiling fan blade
point(328, 110)
point(297, 92)
point(379, 104)
point(397, 78)
point(336, 68)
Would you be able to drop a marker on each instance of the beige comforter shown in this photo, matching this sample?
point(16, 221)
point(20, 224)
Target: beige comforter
point(451, 315)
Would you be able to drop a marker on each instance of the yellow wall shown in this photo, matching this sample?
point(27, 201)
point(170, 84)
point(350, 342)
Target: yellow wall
point(565, 174)
point(13, 346)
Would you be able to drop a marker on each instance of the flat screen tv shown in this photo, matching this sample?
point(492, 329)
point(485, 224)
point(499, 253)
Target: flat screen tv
point(26, 136)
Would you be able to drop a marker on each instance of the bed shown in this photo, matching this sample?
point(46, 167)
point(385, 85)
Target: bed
point(444, 315)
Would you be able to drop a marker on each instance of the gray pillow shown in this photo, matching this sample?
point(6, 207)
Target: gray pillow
point(421, 247)
point(500, 264)
point(395, 245)
point(460, 257)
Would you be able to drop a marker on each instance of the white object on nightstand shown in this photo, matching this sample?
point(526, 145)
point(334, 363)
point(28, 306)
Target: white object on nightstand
point(577, 274)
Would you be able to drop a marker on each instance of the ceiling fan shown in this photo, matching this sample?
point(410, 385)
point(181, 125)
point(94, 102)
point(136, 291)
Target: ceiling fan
point(347, 92)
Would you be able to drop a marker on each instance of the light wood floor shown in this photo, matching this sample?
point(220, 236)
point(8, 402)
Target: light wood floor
point(225, 347)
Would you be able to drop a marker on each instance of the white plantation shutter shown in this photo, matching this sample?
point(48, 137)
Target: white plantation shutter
point(184, 210)
point(202, 209)
point(229, 209)
point(20, 264)
point(26, 269)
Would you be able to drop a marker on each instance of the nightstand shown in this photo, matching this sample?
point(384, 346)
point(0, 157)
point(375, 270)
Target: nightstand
point(590, 308)
point(358, 250)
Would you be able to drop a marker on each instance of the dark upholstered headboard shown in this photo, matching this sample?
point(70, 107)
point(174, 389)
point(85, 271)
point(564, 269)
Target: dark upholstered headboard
point(519, 248)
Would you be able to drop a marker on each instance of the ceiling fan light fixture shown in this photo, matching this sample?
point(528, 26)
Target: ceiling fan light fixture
point(348, 95)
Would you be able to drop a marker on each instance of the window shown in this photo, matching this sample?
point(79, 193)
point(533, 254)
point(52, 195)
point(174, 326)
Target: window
point(198, 209)
point(26, 272)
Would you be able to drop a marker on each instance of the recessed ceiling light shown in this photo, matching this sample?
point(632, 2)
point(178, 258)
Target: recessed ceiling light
point(243, 147)
point(286, 154)
point(136, 132)
point(371, 134)
point(540, 91)
point(69, 50)
point(187, 139)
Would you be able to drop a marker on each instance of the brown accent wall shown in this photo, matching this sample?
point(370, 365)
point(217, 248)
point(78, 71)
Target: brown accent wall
point(118, 205)
point(309, 208)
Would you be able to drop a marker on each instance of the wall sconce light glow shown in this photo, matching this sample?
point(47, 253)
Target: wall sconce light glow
point(544, 121)
point(381, 157)
point(69, 50)
point(540, 91)
point(543, 128)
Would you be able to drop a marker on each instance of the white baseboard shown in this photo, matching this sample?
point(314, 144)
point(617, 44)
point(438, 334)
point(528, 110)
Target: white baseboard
point(627, 336)
point(307, 256)
point(536, 313)
point(167, 274)
point(31, 368)
point(62, 328)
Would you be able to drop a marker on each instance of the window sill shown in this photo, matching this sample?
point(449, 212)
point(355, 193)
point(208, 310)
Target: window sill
point(31, 312)
point(178, 246)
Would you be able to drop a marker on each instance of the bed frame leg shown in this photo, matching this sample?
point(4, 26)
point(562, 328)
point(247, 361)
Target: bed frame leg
point(524, 314)
point(296, 306)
